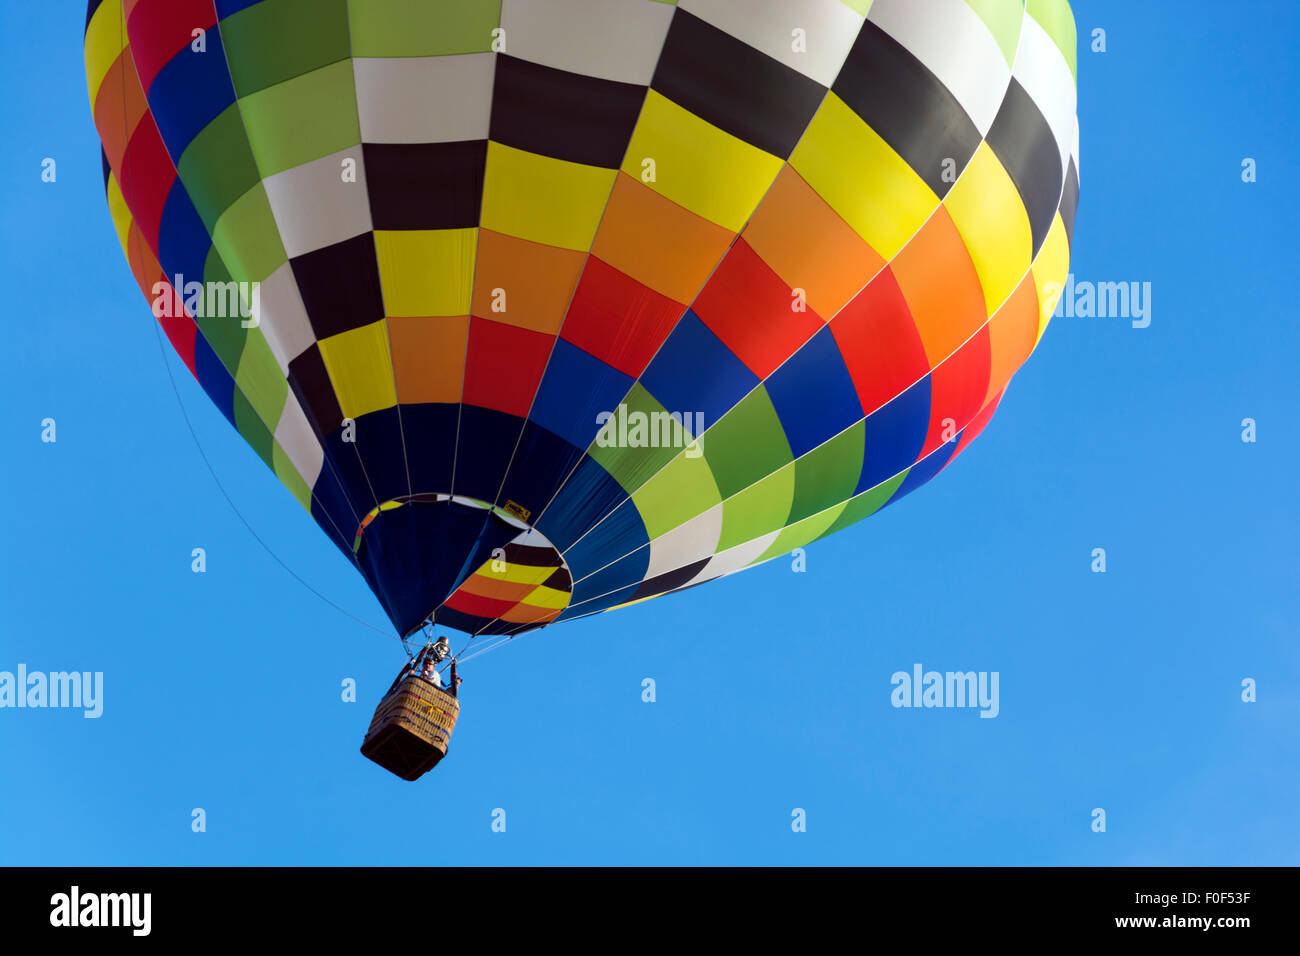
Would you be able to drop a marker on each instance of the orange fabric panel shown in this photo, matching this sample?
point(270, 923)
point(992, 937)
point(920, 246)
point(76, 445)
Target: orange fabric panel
point(144, 264)
point(537, 279)
point(1012, 335)
point(119, 108)
point(496, 588)
point(657, 242)
point(428, 357)
point(806, 243)
point(941, 287)
point(527, 614)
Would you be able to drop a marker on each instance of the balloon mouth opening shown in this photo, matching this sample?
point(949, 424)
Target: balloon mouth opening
point(512, 578)
point(514, 515)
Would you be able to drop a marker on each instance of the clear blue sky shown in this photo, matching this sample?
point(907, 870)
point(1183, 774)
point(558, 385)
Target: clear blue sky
point(1120, 691)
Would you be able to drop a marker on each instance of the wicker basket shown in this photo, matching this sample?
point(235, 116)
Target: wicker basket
point(411, 728)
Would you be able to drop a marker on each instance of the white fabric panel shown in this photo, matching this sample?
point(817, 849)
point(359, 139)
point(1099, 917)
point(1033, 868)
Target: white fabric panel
point(829, 27)
point(686, 544)
point(611, 39)
point(532, 538)
point(299, 442)
point(425, 99)
point(738, 558)
point(283, 317)
point(314, 207)
point(963, 55)
point(1046, 77)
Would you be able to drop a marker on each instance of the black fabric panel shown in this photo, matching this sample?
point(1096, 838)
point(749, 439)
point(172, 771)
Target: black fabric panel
point(340, 285)
point(670, 580)
point(415, 556)
point(532, 556)
point(377, 443)
point(428, 457)
point(1070, 200)
point(734, 86)
point(311, 384)
point(582, 119)
point(334, 511)
point(486, 443)
point(482, 626)
point(907, 105)
point(108, 169)
point(559, 581)
point(425, 185)
point(1023, 141)
point(542, 462)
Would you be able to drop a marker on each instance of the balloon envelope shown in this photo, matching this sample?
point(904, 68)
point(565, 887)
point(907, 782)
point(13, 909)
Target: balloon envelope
point(542, 308)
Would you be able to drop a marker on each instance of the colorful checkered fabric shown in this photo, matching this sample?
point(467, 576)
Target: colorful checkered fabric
point(823, 234)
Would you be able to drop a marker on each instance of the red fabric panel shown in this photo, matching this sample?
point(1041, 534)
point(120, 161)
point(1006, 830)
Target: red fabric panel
point(477, 605)
point(146, 179)
point(159, 29)
point(957, 389)
point(977, 424)
point(504, 365)
point(748, 306)
point(617, 319)
point(880, 344)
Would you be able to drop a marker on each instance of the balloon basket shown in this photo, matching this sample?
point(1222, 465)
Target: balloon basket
point(411, 728)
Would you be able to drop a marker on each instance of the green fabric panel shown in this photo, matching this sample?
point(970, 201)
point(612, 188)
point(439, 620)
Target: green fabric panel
point(804, 532)
point(288, 474)
point(260, 379)
point(1055, 17)
point(299, 120)
point(682, 490)
point(224, 335)
point(276, 40)
point(866, 504)
point(1004, 19)
point(858, 6)
point(747, 445)
point(758, 509)
point(248, 238)
point(427, 28)
point(217, 167)
point(253, 431)
point(633, 467)
point(828, 474)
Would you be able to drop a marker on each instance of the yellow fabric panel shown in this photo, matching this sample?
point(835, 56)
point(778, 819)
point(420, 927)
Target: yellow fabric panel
point(630, 603)
point(547, 200)
point(1051, 269)
point(548, 598)
point(992, 220)
point(515, 573)
point(758, 510)
point(682, 489)
point(247, 238)
point(105, 40)
point(862, 178)
point(801, 533)
point(361, 369)
point(426, 272)
point(284, 470)
point(698, 166)
point(117, 208)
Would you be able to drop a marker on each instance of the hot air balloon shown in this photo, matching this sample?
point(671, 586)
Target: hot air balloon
point(541, 308)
